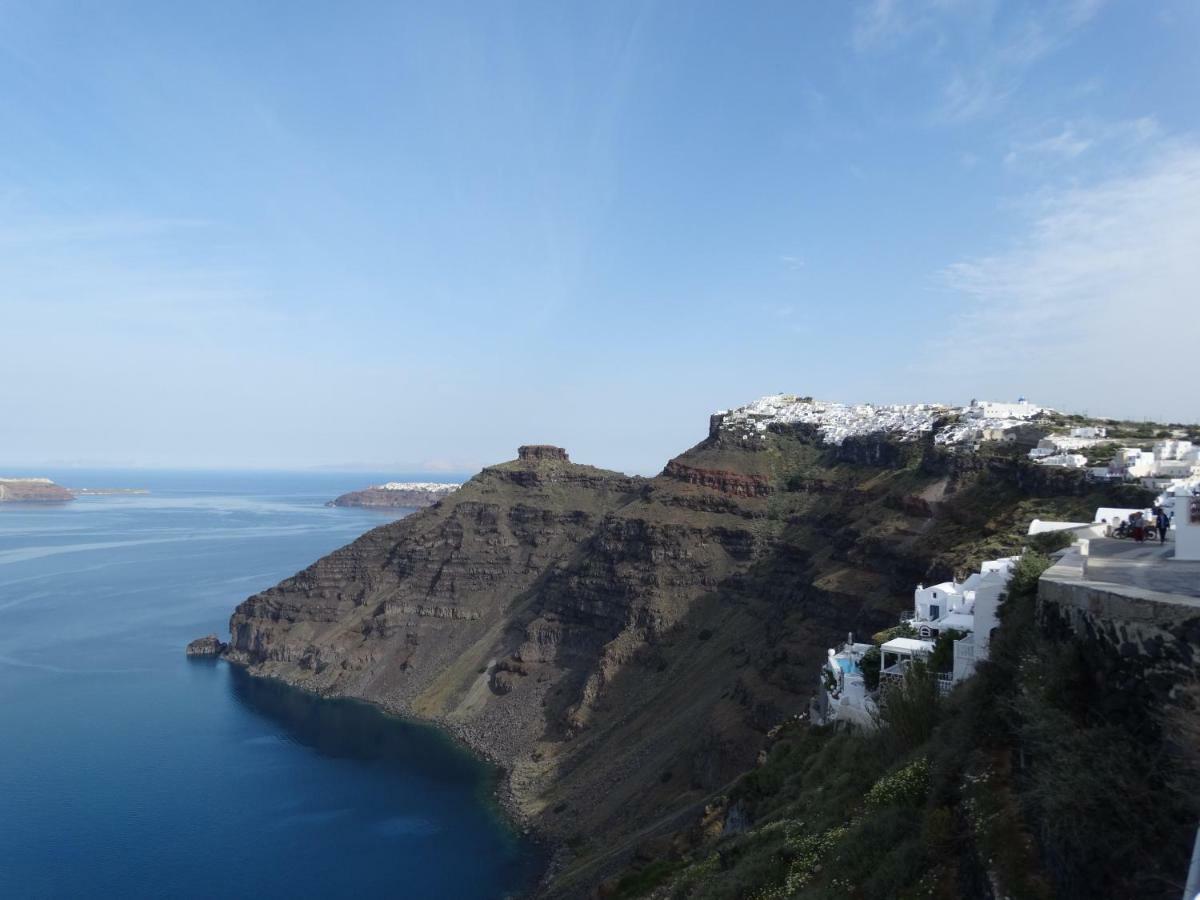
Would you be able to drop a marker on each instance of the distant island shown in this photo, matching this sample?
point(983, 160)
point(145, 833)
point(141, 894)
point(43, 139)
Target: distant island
point(397, 495)
point(44, 490)
point(105, 491)
point(33, 490)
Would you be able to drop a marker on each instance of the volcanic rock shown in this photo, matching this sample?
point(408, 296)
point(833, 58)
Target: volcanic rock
point(206, 646)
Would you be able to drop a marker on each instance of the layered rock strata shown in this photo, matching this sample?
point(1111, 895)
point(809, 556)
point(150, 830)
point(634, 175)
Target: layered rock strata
point(622, 646)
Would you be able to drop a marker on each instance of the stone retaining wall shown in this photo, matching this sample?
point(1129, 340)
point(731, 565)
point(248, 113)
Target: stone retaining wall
point(1138, 639)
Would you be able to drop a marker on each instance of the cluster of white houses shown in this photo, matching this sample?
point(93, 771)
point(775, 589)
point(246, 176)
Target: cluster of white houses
point(981, 420)
point(1167, 460)
point(432, 487)
point(966, 610)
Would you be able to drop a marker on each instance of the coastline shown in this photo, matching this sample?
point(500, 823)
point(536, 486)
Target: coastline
point(503, 793)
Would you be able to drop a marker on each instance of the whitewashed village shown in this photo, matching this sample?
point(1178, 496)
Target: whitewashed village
point(949, 627)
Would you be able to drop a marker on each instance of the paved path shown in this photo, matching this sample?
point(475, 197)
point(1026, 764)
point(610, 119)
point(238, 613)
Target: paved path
point(1147, 566)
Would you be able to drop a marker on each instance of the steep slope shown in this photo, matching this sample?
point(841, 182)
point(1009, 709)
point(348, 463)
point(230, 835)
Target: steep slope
point(623, 646)
point(1038, 778)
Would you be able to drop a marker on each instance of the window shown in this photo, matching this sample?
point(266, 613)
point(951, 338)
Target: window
point(935, 611)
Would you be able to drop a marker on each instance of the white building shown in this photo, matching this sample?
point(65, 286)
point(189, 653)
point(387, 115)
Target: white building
point(1169, 459)
point(1042, 526)
point(1176, 450)
point(990, 409)
point(1132, 462)
point(1065, 460)
point(968, 606)
point(1166, 499)
point(848, 700)
point(898, 654)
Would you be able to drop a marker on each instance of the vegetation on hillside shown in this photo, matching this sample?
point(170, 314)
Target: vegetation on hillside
point(1029, 781)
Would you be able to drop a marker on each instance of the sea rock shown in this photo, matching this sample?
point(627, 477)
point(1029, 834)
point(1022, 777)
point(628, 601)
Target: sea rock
point(210, 645)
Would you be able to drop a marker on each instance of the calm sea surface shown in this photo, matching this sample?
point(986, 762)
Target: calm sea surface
point(128, 770)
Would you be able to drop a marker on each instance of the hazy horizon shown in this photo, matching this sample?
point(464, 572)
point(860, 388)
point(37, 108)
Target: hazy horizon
point(291, 238)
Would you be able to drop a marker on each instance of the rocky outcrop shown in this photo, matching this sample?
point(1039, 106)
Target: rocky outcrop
point(32, 490)
point(726, 482)
point(539, 452)
point(210, 645)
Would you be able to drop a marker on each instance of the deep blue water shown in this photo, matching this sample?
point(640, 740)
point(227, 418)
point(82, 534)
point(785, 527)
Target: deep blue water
point(128, 770)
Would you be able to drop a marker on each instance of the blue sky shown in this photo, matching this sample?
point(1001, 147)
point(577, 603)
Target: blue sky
point(416, 235)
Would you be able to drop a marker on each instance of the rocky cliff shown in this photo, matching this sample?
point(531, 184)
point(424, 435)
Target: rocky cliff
point(623, 646)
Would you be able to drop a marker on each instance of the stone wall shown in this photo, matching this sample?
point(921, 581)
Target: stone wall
point(1137, 640)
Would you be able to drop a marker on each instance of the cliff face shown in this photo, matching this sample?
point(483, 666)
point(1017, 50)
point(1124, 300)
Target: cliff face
point(32, 490)
point(621, 645)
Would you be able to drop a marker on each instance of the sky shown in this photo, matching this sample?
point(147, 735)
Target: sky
point(301, 234)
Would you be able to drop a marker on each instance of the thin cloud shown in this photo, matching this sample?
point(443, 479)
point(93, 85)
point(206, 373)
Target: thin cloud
point(1000, 43)
point(90, 229)
point(882, 22)
point(1101, 293)
point(1069, 141)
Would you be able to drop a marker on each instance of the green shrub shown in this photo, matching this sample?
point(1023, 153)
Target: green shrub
point(1052, 541)
point(909, 709)
point(869, 665)
point(901, 630)
point(641, 881)
point(942, 658)
point(904, 787)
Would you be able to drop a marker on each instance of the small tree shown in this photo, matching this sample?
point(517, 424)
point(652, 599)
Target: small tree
point(869, 665)
point(909, 710)
point(1052, 541)
point(942, 658)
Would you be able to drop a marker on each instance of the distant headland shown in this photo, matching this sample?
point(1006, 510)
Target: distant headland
point(33, 490)
point(44, 490)
point(397, 495)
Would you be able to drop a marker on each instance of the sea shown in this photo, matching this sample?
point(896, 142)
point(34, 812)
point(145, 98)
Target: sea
point(129, 770)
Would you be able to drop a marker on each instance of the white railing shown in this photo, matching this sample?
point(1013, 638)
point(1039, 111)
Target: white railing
point(945, 683)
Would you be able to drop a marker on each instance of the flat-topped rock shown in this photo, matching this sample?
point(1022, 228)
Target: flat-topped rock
point(209, 645)
point(535, 452)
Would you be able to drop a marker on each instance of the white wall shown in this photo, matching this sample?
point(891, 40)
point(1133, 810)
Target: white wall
point(937, 596)
point(1187, 532)
point(987, 601)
